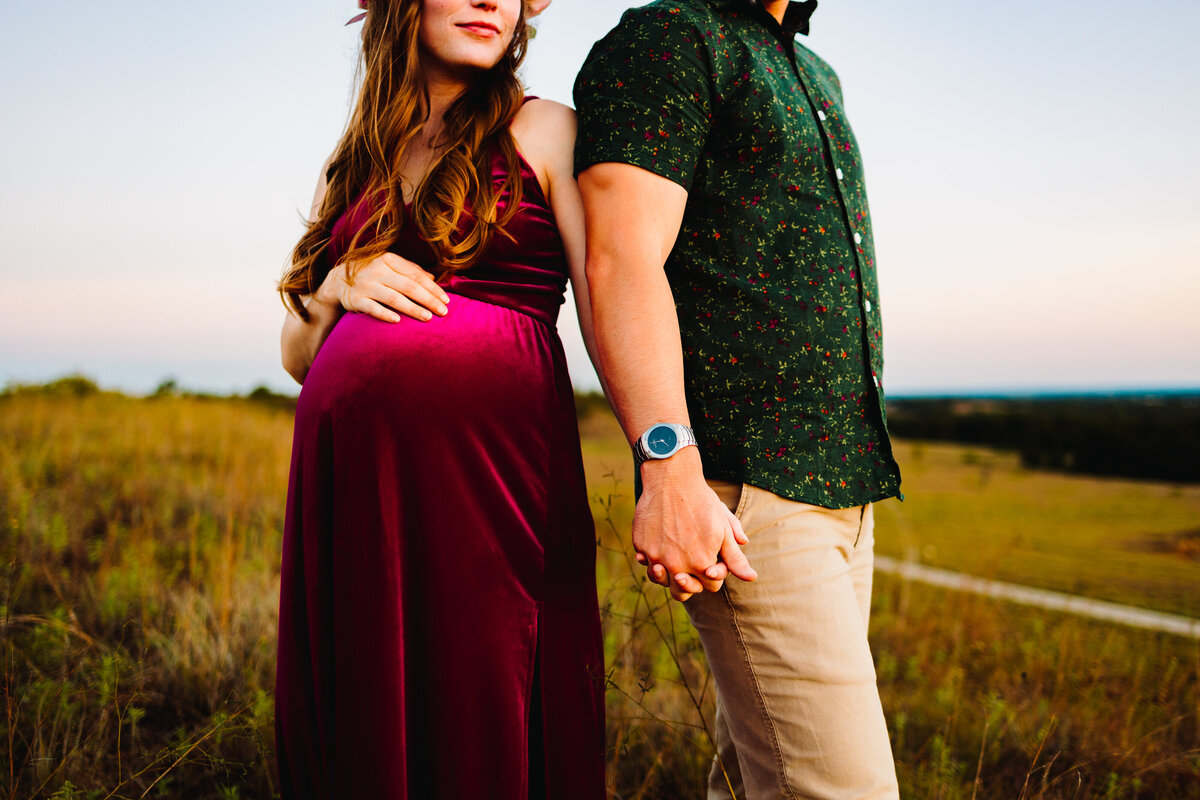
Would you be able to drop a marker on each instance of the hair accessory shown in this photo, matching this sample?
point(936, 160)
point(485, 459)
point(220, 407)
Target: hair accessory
point(359, 17)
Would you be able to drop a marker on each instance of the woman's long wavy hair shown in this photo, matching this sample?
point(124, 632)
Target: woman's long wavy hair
point(455, 208)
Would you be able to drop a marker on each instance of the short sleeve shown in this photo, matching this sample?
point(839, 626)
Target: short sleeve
point(644, 95)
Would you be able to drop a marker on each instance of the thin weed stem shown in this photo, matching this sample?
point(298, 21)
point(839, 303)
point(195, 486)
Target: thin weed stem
point(1032, 767)
point(982, 749)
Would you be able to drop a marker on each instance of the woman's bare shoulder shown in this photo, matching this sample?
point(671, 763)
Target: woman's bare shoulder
point(538, 111)
point(545, 134)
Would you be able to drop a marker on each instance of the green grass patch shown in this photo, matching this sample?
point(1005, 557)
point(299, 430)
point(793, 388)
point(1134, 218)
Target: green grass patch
point(979, 511)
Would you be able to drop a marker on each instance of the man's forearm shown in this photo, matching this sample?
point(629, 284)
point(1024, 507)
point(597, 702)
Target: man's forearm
point(637, 341)
point(680, 527)
point(632, 221)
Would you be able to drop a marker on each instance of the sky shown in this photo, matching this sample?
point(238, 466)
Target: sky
point(1032, 170)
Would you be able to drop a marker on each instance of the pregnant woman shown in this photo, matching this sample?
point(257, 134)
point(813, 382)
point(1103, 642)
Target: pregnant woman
point(438, 632)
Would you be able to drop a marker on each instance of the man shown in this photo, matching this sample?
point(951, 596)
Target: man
point(733, 290)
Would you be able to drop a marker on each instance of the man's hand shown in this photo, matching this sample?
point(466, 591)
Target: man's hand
point(682, 530)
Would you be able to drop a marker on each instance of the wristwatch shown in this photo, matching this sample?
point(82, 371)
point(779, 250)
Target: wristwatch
point(662, 441)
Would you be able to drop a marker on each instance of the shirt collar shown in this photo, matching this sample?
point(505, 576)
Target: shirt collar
point(795, 19)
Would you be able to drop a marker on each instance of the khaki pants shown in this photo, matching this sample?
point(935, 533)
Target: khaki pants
point(798, 713)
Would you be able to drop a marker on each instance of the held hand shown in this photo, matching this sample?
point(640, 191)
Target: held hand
point(681, 528)
point(732, 561)
point(386, 285)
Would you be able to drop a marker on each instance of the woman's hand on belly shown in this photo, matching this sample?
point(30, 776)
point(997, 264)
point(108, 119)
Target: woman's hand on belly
point(384, 286)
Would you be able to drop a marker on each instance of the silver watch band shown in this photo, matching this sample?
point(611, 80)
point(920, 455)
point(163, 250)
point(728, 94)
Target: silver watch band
point(685, 437)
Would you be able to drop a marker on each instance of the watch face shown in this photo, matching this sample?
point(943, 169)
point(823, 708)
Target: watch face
point(661, 440)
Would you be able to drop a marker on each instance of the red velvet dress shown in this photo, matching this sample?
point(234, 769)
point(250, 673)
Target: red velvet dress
point(439, 635)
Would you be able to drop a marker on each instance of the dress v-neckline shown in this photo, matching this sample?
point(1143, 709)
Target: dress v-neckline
point(526, 167)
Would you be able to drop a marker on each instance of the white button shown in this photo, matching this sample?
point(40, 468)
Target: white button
point(821, 115)
point(840, 174)
point(857, 237)
point(867, 305)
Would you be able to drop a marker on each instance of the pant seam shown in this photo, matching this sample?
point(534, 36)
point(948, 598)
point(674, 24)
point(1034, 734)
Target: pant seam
point(762, 703)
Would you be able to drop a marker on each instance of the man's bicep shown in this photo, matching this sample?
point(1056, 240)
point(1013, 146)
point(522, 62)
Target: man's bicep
point(631, 213)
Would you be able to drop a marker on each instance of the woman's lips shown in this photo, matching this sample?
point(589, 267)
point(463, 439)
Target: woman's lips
point(480, 28)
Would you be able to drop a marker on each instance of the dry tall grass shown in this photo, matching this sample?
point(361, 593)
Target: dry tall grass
point(139, 589)
point(140, 594)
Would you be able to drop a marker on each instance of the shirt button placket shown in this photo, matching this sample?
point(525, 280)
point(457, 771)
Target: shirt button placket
point(848, 216)
point(868, 328)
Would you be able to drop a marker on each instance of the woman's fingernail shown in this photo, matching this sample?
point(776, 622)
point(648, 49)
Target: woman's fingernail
point(425, 315)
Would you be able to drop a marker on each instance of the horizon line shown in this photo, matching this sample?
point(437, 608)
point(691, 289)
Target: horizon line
point(1019, 391)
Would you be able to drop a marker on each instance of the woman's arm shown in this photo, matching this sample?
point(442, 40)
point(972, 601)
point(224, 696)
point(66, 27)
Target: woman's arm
point(386, 285)
point(545, 133)
point(300, 340)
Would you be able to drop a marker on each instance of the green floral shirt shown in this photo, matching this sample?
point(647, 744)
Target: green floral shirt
point(774, 269)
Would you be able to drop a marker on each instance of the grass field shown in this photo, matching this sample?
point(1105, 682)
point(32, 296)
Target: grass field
point(978, 511)
point(139, 586)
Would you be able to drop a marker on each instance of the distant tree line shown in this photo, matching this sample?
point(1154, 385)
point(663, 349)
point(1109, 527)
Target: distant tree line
point(1151, 436)
point(81, 386)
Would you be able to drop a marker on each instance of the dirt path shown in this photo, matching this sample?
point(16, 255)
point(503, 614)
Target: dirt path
point(1043, 598)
